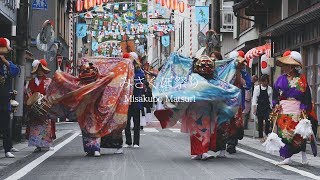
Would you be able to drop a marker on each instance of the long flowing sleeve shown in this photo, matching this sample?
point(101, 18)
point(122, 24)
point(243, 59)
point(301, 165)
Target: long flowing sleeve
point(306, 102)
point(13, 69)
point(245, 75)
point(276, 93)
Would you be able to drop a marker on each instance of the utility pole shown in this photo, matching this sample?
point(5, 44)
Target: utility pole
point(215, 20)
point(22, 44)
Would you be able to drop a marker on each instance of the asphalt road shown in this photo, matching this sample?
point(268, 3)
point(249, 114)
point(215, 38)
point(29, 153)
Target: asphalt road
point(163, 155)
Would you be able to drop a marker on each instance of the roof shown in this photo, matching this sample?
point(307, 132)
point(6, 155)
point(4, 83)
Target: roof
point(303, 17)
point(241, 5)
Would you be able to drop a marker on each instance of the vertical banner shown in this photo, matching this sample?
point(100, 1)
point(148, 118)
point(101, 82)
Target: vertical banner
point(165, 40)
point(95, 46)
point(81, 30)
point(202, 15)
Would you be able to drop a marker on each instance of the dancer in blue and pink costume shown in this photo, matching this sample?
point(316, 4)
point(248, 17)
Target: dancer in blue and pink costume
point(214, 100)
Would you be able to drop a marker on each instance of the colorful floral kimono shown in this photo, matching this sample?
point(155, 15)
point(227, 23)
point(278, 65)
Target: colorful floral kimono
point(100, 107)
point(204, 107)
point(40, 130)
point(294, 96)
point(235, 127)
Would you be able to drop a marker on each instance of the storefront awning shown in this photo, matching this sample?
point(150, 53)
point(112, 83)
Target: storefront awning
point(241, 5)
point(303, 17)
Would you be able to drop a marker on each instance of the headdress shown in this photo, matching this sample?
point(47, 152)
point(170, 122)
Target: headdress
point(43, 63)
point(204, 65)
point(291, 58)
point(237, 54)
point(5, 46)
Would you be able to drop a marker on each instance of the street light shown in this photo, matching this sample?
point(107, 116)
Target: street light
point(88, 18)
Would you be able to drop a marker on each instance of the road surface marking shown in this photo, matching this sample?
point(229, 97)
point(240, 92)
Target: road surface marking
point(150, 130)
point(29, 167)
point(175, 130)
point(66, 122)
point(287, 167)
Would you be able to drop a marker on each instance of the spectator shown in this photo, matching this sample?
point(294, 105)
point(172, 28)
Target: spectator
point(261, 102)
point(135, 107)
point(216, 55)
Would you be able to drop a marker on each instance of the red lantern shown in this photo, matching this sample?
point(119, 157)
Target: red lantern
point(181, 6)
point(79, 5)
point(163, 2)
point(174, 4)
point(265, 67)
point(157, 1)
point(168, 4)
point(86, 4)
point(99, 2)
point(90, 3)
point(104, 1)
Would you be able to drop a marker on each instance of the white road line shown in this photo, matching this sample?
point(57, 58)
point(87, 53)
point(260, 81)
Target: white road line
point(66, 122)
point(26, 169)
point(150, 130)
point(175, 130)
point(287, 167)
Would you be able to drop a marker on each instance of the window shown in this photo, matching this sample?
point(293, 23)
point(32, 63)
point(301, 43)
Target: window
point(227, 21)
point(244, 24)
point(275, 12)
point(292, 7)
point(303, 4)
point(312, 71)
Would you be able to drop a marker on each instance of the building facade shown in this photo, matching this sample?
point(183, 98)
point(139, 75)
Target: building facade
point(290, 25)
point(8, 17)
point(58, 14)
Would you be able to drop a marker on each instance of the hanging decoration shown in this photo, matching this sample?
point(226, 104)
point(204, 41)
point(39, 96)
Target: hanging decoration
point(163, 2)
point(202, 14)
point(123, 22)
point(265, 67)
point(94, 46)
point(116, 6)
point(168, 4)
point(81, 30)
point(257, 52)
point(124, 7)
point(79, 5)
point(165, 40)
point(139, 7)
point(181, 6)
point(174, 4)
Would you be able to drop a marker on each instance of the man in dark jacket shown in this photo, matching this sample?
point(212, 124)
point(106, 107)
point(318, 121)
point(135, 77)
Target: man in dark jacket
point(7, 71)
point(135, 107)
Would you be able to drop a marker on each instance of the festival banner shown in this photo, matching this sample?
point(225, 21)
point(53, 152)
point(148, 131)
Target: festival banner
point(202, 15)
point(165, 40)
point(81, 30)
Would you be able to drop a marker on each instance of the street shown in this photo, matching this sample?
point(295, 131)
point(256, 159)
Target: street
point(163, 154)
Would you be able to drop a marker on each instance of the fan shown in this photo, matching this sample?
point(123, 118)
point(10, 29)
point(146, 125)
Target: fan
point(201, 39)
point(46, 37)
point(212, 39)
point(52, 53)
